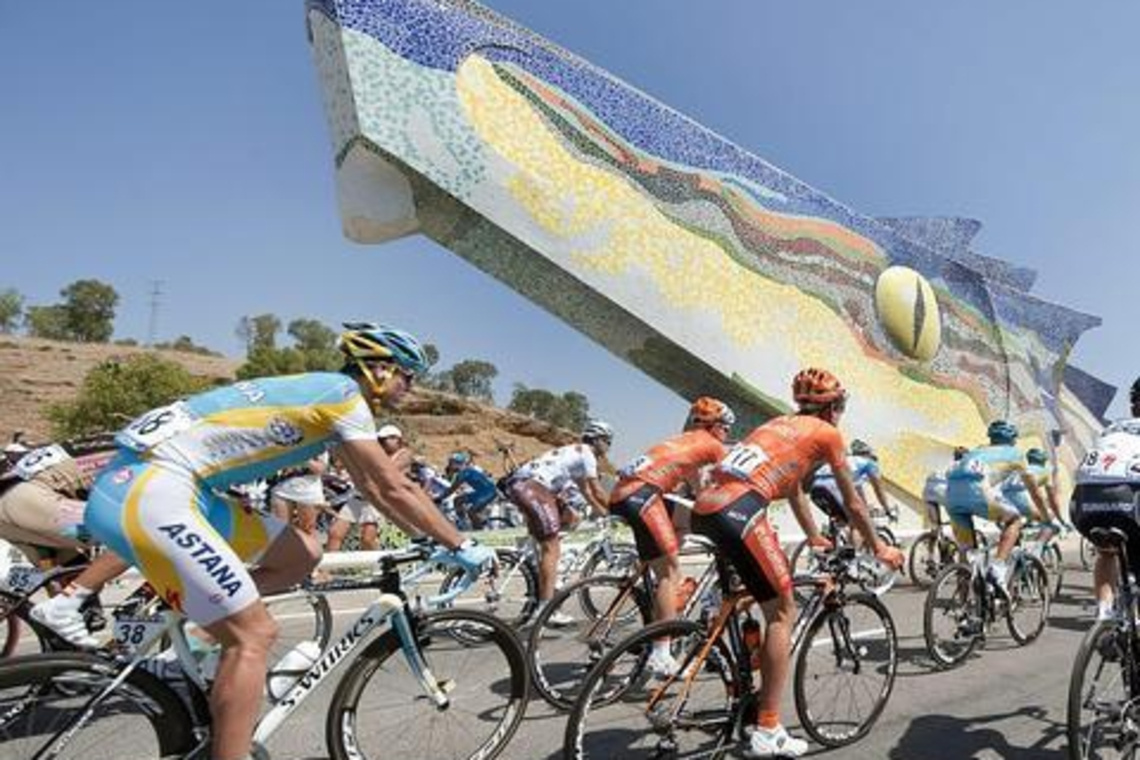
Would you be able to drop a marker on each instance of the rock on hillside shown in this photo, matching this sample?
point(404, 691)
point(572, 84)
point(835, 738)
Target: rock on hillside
point(35, 373)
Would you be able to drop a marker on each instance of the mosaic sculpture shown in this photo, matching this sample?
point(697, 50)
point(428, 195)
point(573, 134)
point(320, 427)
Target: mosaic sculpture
point(711, 270)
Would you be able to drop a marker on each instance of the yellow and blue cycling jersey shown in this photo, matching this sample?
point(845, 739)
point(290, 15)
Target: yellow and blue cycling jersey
point(157, 506)
point(973, 487)
point(1015, 491)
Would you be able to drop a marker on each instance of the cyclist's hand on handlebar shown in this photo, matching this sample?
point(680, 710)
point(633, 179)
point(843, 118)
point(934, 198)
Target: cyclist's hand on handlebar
point(889, 556)
point(820, 543)
point(473, 557)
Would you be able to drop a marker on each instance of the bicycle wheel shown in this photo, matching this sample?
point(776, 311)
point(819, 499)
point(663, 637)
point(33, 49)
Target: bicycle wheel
point(845, 670)
point(9, 625)
point(1028, 608)
point(930, 552)
point(511, 595)
point(622, 712)
point(379, 709)
point(887, 536)
point(561, 656)
point(1101, 713)
point(1054, 566)
point(620, 558)
point(950, 621)
point(1088, 553)
point(40, 696)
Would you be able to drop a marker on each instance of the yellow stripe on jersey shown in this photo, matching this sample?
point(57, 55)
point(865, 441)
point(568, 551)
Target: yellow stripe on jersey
point(155, 566)
point(248, 536)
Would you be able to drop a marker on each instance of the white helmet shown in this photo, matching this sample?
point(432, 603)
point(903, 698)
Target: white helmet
point(389, 431)
point(597, 429)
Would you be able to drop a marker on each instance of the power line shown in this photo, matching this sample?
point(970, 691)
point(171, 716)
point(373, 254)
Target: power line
point(155, 303)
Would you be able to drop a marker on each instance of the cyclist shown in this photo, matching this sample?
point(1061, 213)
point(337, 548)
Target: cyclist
point(973, 489)
point(1037, 465)
point(41, 513)
point(479, 489)
point(1105, 496)
point(534, 488)
point(773, 462)
point(637, 498)
point(934, 491)
point(864, 467)
point(155, 504)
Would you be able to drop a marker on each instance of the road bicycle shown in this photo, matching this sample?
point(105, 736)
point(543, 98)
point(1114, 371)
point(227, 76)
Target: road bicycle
point(1104, 689)
point(414, 690)
point(845, 653)
point(964, 603)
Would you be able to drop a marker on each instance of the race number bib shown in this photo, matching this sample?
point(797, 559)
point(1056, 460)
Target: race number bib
point(38, 460)
point(743, 460)
point(634, 467)
point(135, 632)
point(23, 579)
point(1110, 465)
point(156, 426)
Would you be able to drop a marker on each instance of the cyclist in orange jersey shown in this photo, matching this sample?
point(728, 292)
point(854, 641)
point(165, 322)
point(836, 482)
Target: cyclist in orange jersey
point(774, 462)
point(637, 499)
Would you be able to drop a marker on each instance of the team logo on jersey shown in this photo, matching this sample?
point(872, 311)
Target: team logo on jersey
point(122, 476)
point(205, 555)
point(283, 432)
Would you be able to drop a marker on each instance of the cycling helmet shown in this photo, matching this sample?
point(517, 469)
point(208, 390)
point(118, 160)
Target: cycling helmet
point(814, 387)
point(389, 431)
point(960, 452)
point(459, 459)
point(366, 342)
point(1037, 456)
point(862, 449)
point(1134, 394)
point(1002, 431)
point(707, 411)
point(597, 430)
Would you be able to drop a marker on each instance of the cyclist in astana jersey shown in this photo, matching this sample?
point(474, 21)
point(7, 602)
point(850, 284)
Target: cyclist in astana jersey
point(534, 488)
point(1013, 488)
point(973, 489)
point(773, 462)
point(864, 467)
point(637, 499)
point(155, 505)
point(1106, 495)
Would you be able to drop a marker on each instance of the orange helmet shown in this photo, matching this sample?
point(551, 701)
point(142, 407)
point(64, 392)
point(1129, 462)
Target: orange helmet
point(816, 387)
point(711, 411)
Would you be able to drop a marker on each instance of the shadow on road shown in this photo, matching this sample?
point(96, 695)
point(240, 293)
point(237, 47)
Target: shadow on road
point(942, 737)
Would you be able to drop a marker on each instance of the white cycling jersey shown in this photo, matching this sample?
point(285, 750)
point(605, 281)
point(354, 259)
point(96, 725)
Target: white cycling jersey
point(1115, 457)
point(559, 467)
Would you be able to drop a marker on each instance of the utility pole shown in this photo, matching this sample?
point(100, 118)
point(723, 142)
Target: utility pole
point(155, 303)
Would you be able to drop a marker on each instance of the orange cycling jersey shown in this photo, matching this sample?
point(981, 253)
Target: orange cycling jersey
point(772, 459)
point(669, 464)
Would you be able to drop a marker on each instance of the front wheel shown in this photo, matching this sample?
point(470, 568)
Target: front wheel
point(1102, 715)
point(42, 695)
point(951, 623)
point(845, 670)
point(1054, 565)
point(1028, 608)
point(380, 709)
point(930, 553)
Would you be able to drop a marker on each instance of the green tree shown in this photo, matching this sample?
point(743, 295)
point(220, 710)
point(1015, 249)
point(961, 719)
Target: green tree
point(472, 378)
point(116, 391)
point(47, 322)
point(314, 348)
point(259, 332)
point(11, 309)
point(570, 410)
point(89, 310)
point(432, 354)
point(184, 344)
point(317, 344)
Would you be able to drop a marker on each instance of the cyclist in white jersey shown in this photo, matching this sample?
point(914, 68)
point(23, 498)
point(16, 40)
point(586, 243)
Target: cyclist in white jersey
point(864, 466)
point(534, 488)
point(156, 505)
point(1107, 494)
point(934, 490)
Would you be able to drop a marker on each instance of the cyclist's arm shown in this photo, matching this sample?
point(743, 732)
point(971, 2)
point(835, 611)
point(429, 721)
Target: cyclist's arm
point(880, 492)
point(379, 481)
point(855, 507)
point(802, 511)
point(1035, 494)
point(592, 489)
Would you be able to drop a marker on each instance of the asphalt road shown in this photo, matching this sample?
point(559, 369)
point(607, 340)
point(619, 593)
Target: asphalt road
point(1005, 702)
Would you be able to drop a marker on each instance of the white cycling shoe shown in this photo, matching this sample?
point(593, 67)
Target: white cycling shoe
point(662, 664)
point(774, 743)
point(559, 619)
point(65, 621)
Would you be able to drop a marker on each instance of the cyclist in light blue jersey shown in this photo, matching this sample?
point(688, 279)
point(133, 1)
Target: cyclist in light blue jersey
point(865, 469)
point(1041, 473)
point(478, 488)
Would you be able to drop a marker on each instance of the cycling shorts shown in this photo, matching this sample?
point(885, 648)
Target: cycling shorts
point(1109, 505)
point(34, 515)
point(651, 519)
point(540, 507)
point(967, 499)
point(190, 544)
point(742, 531)
point(1024, 503)
point(830, 505)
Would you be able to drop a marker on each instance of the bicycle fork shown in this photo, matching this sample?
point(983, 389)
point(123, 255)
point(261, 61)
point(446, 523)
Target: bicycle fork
point(436, 690)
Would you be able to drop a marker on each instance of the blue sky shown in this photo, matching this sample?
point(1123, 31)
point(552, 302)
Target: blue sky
point(189, 145)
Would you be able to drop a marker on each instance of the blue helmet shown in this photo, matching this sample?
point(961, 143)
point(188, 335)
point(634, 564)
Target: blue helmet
point(862, 449)
point(366, 342)
point(1037, 456)
point(1002, 431)
point(459, 459)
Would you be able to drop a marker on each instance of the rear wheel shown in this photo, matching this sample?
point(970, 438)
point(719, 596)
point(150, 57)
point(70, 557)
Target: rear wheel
point(1102, 715)
point(930, 553)
point(1051, 558)
point(951, 625)
point(42, 695)
point(1028, 608)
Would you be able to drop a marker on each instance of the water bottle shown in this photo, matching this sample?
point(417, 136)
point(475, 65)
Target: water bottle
point(290, 668)
point(685, 591)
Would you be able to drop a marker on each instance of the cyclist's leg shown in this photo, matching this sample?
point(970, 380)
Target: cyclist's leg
point(337, 533)
point(656, 539)
point(477, 504)
point(1006, 514)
